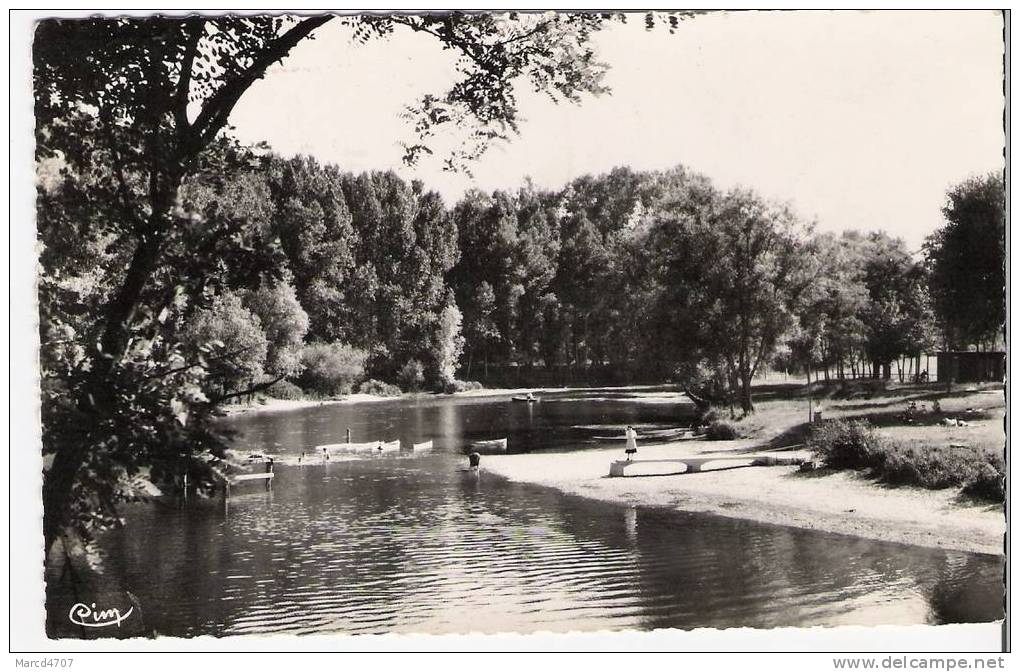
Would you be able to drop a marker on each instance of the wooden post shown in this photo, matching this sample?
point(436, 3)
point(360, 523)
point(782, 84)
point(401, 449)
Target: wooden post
point(810, 409)
point(348, 435)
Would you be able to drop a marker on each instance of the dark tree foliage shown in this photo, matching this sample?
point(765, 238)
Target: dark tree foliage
point(898, 314)
point(148, 422)
point(734, 271)
point(966, 261)
point(129, 108)
point(315, 229)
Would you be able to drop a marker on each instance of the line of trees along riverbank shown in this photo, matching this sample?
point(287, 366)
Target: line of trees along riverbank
point(301, 278)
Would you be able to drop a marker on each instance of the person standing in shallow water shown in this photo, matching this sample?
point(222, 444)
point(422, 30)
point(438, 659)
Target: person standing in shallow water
point(631, 442)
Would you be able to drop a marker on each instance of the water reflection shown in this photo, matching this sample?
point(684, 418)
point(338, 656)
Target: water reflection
point(414, 544)
point(562, 421)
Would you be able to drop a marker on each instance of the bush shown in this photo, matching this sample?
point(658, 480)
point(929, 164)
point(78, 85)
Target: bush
point(980, 473)
point(411, 376)
point(926, 466)
point(847, 444)
point(331, 368)
point(855, 445)
point(284, 389)
point(453, 386)
point(379, 388)
point(987, 481)
point(720, 430)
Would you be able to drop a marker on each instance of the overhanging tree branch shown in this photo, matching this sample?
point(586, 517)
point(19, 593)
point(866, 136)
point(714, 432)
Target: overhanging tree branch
point(195, 32)
point(216, 112)
point(251, 390)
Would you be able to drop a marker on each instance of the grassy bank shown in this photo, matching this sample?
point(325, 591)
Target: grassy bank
point(856, 444)
point(855, 501)
point(921, 435)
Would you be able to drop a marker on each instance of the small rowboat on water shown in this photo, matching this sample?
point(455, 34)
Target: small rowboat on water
point(490, 447)
point(527, 400)
point(421, 447)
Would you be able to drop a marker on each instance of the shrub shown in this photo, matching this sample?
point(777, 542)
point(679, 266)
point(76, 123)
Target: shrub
point(720, 430)
point(452, 386)
point(854, 444)
point(987, 482)
point(926, 466)
point(847, 444)
point(379, 388)
point(284, 389)
point(411, 376)
point(331, 368)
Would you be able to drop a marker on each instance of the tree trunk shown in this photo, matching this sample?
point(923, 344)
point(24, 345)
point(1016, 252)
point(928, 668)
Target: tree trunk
point(97, 401)
point(746, 404)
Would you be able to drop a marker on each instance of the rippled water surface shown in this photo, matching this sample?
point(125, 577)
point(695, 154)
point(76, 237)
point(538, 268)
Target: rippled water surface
point(410, 543)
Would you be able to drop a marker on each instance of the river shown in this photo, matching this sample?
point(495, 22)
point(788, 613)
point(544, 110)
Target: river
point(413, 543)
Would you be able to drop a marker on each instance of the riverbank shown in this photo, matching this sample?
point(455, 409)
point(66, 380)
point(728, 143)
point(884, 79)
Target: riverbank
point(269, 405)
point(641, 394)
point(843, 502)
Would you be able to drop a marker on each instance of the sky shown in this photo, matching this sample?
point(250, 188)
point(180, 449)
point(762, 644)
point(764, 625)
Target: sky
point(859, 120)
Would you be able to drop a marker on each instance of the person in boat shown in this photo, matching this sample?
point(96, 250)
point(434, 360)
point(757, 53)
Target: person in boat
point(631, 443)
point(530, 397)
point(474, 460)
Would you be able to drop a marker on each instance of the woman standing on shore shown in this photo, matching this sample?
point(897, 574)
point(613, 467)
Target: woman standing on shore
point(631, 442)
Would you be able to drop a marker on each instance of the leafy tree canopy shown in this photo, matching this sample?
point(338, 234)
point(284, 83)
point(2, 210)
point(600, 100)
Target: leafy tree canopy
point(966, 261)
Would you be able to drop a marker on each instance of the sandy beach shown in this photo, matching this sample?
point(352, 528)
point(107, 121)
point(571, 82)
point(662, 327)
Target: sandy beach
point(844, 502)
point(841, 502)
